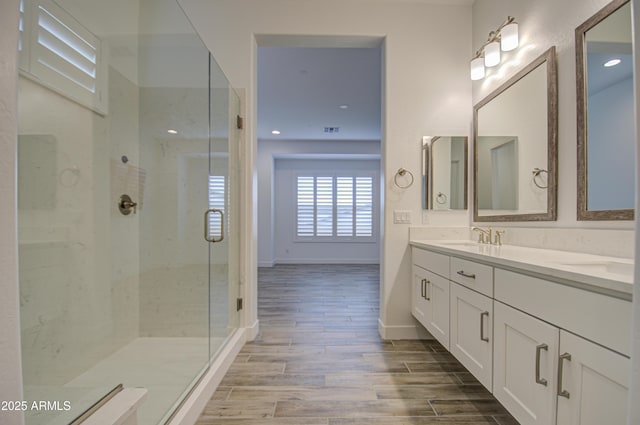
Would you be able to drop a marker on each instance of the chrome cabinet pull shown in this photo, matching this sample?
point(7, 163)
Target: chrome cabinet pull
point(462, 273)
point(482, 337)
point(423, 288)
point(206, 225)
point(539, 348)
point(427, 292)
point(561, 392)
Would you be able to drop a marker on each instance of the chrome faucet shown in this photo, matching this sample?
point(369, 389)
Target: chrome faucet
point(484, 235)
point(487, 236)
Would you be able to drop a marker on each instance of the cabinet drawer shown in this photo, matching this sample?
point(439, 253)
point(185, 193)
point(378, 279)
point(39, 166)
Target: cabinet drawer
point(599, 318)
point(478, 277)
point(432, 261)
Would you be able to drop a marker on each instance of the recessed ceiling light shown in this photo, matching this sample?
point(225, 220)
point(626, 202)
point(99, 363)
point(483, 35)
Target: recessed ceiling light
point(171, 131)
point(612, 62)
point(276, 132)
point(344, 106)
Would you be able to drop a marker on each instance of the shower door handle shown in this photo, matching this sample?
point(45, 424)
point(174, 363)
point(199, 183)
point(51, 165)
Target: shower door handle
point(207, 237)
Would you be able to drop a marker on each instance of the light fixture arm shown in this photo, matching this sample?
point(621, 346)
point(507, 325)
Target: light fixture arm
point(494, 36)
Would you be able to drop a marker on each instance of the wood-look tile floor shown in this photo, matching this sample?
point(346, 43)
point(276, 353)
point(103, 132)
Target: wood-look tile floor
point(319, 360)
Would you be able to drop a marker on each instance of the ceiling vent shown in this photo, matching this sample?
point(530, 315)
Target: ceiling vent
point(332, 130)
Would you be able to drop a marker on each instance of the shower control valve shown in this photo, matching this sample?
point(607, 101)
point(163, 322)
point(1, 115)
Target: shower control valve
point(126, 205)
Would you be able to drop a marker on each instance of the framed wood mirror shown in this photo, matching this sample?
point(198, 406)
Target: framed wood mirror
point(606, 135)
point(515, 144)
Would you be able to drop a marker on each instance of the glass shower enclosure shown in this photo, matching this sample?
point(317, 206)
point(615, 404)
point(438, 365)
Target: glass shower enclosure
point(128, 192)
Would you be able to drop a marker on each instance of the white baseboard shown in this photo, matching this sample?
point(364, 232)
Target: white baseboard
point(266, 263)
point(252, 331)
point(327, 261)
point(195, 404)
point(402, 332)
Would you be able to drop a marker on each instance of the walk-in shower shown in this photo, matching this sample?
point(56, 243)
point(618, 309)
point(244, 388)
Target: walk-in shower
point(127, 136)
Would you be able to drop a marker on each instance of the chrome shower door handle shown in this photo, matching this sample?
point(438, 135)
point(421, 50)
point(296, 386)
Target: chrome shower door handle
point(207, 237)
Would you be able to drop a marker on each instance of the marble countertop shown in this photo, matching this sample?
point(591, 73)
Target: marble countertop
point(608, 275)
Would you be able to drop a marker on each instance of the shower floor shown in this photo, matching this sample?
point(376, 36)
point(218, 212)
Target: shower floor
point(166, 367)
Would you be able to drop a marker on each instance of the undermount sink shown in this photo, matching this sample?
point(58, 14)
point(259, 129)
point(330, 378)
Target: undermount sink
point(615, 267)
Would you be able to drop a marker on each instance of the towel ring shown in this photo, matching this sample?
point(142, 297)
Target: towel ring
point(402, 172)
point(536, 173)
point(441, 198)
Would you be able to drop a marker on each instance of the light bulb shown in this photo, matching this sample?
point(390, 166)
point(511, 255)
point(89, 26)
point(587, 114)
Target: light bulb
point(612, 62)
point(509, 37)
point(477, 69)
point(492, 54)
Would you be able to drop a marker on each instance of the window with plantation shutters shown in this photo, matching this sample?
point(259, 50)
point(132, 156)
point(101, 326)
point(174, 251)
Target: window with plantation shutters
point(334, 207)
point(217, 200)
point(60, 53)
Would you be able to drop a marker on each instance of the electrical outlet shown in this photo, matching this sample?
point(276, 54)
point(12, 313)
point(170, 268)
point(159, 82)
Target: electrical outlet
point(401, 217)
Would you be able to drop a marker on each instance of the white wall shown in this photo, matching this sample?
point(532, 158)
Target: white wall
point(10, 364)
point(268, 151)
point(422, 96)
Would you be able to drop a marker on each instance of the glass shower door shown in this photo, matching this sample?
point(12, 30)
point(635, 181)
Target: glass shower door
point(222, 217)
point(114, 100)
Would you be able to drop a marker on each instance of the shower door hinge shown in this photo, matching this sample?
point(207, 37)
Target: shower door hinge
point(239, 122)
point(239, 304)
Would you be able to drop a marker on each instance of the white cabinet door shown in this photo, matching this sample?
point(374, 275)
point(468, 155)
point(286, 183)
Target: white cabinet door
point(524, 365)
point(437, 308)
point(471, 327)
point(418, 295)
point(592, 383)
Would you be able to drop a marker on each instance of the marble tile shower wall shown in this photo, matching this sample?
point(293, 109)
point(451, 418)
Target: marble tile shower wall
point(78, 285)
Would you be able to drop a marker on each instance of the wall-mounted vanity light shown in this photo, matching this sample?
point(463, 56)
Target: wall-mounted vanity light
point(505, 39)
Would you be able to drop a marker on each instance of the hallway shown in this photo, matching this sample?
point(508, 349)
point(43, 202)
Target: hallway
point(319, 360)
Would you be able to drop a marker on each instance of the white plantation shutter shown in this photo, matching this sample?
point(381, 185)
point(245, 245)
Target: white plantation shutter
point(306, 206)
point(217, 200)
point(60, 53)
point(324, 206)
point(344, 206)
point(337, 206)
point(364, 206)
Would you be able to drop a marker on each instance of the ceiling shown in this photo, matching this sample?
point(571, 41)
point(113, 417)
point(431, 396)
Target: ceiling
point(301, 91)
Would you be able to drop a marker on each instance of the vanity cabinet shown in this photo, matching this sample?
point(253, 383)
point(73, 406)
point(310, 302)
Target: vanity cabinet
point(430, 303)
point(471, 341)
point(538, 367)
point(554, 350)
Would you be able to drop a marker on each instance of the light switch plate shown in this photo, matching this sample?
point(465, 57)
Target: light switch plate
point(401, 217)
